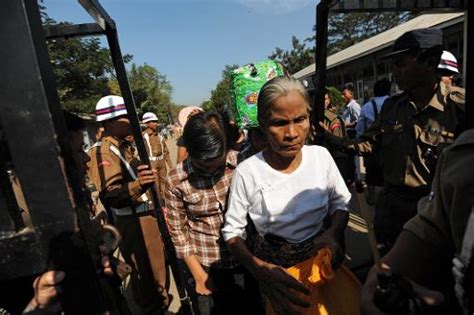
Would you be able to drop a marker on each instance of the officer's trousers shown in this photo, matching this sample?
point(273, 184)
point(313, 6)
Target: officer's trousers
point(142, 249)
point(394, 207)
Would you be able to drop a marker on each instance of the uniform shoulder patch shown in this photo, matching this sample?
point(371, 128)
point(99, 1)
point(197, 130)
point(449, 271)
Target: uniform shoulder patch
point(104, 163)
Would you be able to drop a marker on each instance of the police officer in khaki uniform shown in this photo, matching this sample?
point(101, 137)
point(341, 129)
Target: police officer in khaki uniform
point(411, 130)
point(334, 124)
point(442, 230)
point(122, 183)
point(157, 149)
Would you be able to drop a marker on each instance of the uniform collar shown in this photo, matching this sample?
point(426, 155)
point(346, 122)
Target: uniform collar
point(149, 131)
point(113, 140)
point(438, 101)
point(116, 141)
point(439, 98)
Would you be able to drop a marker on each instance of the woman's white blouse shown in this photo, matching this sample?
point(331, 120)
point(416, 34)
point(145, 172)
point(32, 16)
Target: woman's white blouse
point(292, 206)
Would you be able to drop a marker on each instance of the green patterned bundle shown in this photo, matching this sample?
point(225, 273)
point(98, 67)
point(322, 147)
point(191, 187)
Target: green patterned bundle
point(246, 84)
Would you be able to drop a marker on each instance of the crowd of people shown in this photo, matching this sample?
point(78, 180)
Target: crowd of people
point(258, 219)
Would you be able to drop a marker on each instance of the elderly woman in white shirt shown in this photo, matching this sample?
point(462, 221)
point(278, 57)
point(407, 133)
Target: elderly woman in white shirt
point(289, 191)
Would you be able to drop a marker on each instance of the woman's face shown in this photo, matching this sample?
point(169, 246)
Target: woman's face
point(287, 124)
point(327, 101)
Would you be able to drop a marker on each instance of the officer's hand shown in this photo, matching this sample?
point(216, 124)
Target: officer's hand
point(146, 176)
point(429, 297)
point(47, 289)
point(322, 125)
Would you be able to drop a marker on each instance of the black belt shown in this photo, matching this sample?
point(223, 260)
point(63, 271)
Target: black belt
point(276, 250)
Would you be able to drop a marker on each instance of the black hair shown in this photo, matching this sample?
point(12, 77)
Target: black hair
point(382, 87)
point(349, 86)
point(205, 136)
point(74, 122)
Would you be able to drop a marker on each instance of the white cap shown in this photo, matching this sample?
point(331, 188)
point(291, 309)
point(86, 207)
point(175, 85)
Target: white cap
point(109, 107)
point(448, 62)
point(149, 116)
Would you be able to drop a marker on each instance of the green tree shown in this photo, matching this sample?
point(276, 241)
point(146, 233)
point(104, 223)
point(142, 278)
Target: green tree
point(299, 57)
point(151, 91)
point(347, 29)
point(82, 68)
point(337, 101)
point(221, 96)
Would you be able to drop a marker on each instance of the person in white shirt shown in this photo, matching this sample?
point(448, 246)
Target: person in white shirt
point(372, 108)
point(287, 190)
point(352, 112)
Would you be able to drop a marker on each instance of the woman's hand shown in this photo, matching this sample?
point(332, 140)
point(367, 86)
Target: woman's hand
point(335, 244)
point(333, 237)
point(47, 287)
point(286, 294)
point(204, 284)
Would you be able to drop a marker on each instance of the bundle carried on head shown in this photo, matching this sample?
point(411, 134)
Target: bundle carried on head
point(245, 86)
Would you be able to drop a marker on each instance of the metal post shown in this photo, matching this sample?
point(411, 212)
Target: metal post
point(319, 80)
point(469, 63)
point(34, 128)
point(119, 65)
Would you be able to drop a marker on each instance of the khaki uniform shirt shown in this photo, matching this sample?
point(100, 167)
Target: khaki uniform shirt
point(409, 139)
point(158, 148)
point(443, 215)
point(116, 187)
point(334, 123)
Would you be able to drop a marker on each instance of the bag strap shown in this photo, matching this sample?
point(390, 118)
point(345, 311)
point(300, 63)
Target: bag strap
point(116, 151)
point(374, 106)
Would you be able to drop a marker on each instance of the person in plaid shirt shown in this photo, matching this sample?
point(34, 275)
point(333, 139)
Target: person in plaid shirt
point(196, 196)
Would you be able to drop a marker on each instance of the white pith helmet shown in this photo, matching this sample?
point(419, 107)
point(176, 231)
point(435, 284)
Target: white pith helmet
point(448, 62)
point(109, 107)
point(149, 116)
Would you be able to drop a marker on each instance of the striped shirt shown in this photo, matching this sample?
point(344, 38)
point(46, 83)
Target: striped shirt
point(196, 204)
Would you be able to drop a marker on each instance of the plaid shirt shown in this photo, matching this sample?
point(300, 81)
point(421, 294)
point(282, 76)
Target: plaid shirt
point(195, 205)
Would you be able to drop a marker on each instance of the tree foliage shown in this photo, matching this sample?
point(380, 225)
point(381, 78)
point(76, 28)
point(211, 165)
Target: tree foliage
point(81, 66)
point(220, 96)
point(347, 29)
point(151, 91)
point(82, 69)
point(337, 101)
point(344, 30)
point(299, 57)
point(84, 73)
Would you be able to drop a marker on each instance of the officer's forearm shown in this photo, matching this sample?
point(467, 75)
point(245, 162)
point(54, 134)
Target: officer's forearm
point(427, 263)
point(119, 196)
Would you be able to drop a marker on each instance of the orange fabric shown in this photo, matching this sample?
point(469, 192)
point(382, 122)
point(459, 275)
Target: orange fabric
point(331, 293)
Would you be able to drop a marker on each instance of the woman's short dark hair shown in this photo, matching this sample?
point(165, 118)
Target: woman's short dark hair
point(205, 136)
